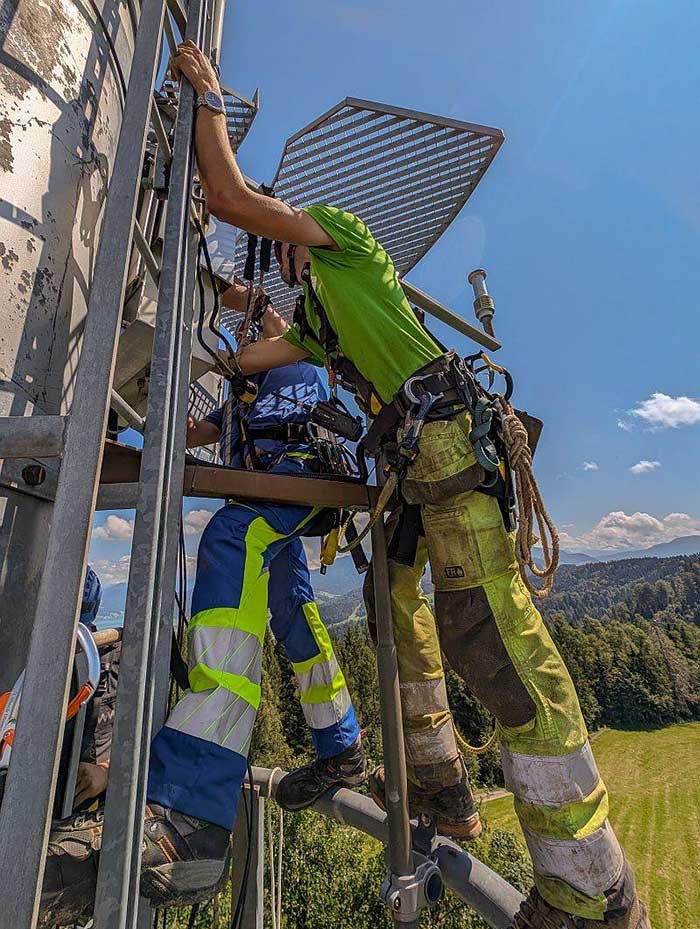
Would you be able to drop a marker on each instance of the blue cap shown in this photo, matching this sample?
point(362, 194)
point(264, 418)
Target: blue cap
point(92, 597)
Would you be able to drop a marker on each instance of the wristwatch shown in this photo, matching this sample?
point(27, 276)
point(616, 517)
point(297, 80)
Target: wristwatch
point(210, 101)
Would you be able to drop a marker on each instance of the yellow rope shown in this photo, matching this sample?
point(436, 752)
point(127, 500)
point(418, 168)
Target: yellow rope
point(531, 508)
point(466, 747)
point(387, 491)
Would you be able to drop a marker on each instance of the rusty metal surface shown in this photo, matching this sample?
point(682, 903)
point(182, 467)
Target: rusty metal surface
point(62, 66)
point(121, 464)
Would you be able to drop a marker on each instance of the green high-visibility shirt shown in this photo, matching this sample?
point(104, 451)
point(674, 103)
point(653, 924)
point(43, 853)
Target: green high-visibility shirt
point(366, 306)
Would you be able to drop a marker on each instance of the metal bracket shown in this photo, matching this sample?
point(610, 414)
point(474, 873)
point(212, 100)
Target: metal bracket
point(407, 896)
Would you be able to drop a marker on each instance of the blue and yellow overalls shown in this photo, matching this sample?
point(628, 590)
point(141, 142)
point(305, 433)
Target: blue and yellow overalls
point(251, 560)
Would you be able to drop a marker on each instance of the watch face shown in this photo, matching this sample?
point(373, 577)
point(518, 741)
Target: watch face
point(213, 101)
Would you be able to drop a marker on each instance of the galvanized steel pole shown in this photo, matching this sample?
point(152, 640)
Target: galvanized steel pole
point(28, 800)
point(396, 791)
point(116, 900)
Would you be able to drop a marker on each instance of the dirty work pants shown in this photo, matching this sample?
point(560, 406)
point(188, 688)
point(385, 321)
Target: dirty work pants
point(250, 559)
point(495, 639)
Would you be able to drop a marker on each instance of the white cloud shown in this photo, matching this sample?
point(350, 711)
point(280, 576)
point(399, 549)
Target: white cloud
point(590, 466)
point(112, 572)
point(643, 466)
point(114, 529)
point(663, 412)
point(623, 424)
point(619, 530)
point(196, 521)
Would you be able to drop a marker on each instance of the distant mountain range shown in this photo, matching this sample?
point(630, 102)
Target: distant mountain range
point(684, 545)
point(342, 578)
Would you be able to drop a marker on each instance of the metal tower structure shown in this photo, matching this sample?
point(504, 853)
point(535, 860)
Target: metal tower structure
point(96, 224)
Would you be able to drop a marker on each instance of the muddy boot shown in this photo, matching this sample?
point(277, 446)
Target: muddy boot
point(185, 860)
point(536, 913)
point(303, 787)
point(452, 808)
point(70, 878)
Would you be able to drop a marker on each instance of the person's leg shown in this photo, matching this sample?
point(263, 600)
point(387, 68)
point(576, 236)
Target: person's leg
point(438, 782)
point(198, 758)
point(297, 625)
point(325, 701)
point(495, 639)
point(431, 749)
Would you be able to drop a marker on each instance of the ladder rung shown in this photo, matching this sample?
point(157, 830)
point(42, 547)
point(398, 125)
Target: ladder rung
point(32, 436)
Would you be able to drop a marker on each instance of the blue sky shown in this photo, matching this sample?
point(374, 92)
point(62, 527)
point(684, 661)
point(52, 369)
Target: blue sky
point(588, 221)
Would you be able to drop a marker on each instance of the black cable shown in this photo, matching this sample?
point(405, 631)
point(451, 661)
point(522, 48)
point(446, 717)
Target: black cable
point(204, 249)
point(193, 916)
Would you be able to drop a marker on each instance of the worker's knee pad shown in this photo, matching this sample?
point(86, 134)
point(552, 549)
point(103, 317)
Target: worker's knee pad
point(472, 642)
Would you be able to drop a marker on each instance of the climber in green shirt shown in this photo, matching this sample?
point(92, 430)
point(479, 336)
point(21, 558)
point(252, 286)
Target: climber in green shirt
point(355, 313)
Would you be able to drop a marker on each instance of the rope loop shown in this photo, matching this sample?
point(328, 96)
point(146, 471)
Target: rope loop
point(532, 513)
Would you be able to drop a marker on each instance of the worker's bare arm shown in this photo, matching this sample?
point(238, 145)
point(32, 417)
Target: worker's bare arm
point(200, 432)
point(269, 353)
point(228, 196)
point(236, 297)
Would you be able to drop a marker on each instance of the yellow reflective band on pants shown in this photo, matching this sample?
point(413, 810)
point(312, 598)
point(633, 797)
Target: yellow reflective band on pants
point(496, 640)
point(323, 693)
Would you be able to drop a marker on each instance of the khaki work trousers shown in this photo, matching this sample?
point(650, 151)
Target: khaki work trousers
point(495, 639)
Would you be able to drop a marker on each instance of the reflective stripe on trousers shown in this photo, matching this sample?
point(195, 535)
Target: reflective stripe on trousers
point(250, 559)
point(496, 640)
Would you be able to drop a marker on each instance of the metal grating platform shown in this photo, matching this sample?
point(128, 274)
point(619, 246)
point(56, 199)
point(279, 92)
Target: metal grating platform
point(240, 112)
point(406, 174)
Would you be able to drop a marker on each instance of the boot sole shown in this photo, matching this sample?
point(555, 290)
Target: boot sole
point(65, 907)
point(357, 780)
point(184, 883)
point(466, 831)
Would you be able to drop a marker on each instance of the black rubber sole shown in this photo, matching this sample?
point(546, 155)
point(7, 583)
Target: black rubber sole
point(65, 907)
point(350, 782)
point(184, 883)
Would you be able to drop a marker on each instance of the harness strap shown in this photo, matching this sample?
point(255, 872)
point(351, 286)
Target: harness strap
point(280, 432)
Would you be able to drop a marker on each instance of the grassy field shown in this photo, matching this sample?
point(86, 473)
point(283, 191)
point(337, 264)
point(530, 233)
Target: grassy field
point(654, 786)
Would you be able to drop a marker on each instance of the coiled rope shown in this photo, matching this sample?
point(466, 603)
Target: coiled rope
point(531, 509)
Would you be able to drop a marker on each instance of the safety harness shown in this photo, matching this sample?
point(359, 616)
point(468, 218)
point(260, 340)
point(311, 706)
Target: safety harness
point(328, 423)
point(438, 391)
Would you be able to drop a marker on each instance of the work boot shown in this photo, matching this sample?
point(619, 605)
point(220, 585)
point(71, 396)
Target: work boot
point(185, 860)
point(303, 787)
point(536, 913)
point(452, 808)
point(70, 877)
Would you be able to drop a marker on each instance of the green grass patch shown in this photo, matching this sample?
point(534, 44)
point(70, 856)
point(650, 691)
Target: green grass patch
point(654, 790)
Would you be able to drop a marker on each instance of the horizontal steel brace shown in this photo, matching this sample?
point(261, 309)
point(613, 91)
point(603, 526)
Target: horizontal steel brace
point(127, 413)
point(122, 465)
point(473, 881)
point(32, 436)
point(117, 496)
point(449, 317)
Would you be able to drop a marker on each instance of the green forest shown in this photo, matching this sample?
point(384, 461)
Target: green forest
point(629, 632)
